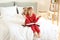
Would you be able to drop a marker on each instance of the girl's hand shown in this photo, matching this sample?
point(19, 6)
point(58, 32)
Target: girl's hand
point(39, 16)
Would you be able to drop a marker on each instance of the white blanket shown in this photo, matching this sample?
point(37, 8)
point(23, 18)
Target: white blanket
point(18, 32)
point(49, 31)
point(4, 31)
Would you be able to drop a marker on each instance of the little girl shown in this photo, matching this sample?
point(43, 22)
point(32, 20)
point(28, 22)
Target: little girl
point(31, 20)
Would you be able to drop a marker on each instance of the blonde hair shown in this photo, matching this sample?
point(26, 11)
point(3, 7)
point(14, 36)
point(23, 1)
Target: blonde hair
point(29, 8)
point(24, 10)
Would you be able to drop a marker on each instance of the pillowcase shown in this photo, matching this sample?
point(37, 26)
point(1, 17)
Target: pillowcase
point(9, 14)
point(18, 19)
point(8, 11)
point(20, 10)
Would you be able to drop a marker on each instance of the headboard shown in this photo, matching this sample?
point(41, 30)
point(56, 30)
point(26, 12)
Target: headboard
point(27, 4)
point(21, 4)
point(6, 4)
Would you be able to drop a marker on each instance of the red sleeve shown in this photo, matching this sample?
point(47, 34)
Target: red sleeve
point(35, 18)
point(27, 20)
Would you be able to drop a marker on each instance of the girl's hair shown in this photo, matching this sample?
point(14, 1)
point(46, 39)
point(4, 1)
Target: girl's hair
point(29, 8)
point(23, 13)
point(24, 10)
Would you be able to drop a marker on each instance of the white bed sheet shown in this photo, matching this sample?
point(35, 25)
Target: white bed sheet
point(18, 32)
point(4, 31)
point(49, 31)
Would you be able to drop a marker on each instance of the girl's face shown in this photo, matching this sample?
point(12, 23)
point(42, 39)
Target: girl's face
point(30, 11)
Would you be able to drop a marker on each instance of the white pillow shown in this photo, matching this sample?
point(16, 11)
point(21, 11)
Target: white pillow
point(20, 10)
point(9, 14)
point(19, 19)
point(8, 11)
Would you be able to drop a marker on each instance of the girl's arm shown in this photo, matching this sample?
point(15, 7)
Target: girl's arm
point(38, 18)
point(35, 18)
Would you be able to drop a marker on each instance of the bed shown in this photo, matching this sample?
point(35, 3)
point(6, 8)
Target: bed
point(10, 24)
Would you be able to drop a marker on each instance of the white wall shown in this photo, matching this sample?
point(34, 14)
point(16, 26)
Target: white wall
point(43, 5)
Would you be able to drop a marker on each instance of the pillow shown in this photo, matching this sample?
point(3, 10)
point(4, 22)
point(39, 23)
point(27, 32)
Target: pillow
point(20, 10)
point(19, 19)
point(8, 11)
point(9, 14)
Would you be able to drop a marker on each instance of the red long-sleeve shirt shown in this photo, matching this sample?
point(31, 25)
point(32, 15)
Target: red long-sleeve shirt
point(31, 19)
